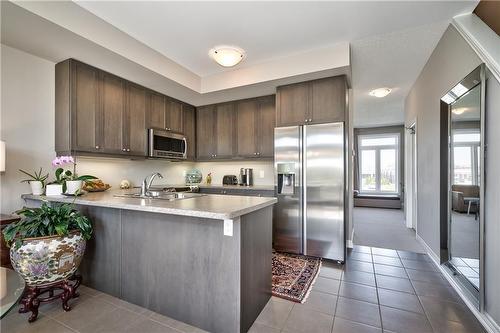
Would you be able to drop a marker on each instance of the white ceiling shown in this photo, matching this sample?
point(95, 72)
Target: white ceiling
point(391, 60)
point(186, 31)
point(164, 45)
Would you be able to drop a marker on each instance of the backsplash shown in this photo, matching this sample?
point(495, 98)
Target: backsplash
point(112, 170)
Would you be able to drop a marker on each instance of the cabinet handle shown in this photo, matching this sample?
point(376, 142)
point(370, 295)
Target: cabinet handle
point(310, 120)
point(128, 149)
point(97, 147)
point(258, 154)
point(306, 120)
point(123, 149)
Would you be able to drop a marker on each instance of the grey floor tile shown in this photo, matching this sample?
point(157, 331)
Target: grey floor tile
point(474, 263)
point(275, 314)
point(89, 291)
point(390, 271)
point(331, 272)
point(358, 311)
point(446, 326)
point(394, 283)
point(440, 291)
point(387, 261)
point(150, 326)
point(384, 252)
point(84, 312)
point(116, 321)
point(359, 277)
point(400, 300)
point(426, 276)
point(413, 256)
point(437, 308)
point(321, 302)
point(359, 256)
point(261, 328)
point(326, 285)
point(358, 291)
point(178, 325)
point(125, 305)
point(356, 265)
point(362, 249)
point(419, 265)
point(306, 321)
point(15, 322)
point(403, 321)
point(346, 326)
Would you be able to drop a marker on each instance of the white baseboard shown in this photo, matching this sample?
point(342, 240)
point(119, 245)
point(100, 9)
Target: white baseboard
point(350, 242)
point(488, 323)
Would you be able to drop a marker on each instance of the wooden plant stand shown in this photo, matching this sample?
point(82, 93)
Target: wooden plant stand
point(65, 290)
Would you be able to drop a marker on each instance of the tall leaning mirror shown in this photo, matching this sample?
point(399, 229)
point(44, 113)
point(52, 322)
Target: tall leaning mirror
point(465, 186)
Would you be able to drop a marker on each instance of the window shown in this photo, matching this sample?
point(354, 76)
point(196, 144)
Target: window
point(466, 156)
point(379, 163)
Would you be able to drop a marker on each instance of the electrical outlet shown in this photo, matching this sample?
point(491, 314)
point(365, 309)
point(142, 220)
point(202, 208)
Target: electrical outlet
point(261, 173)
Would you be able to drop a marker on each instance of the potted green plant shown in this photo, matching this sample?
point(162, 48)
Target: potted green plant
point(36, 181)
point(66, 181)
point(48, 242)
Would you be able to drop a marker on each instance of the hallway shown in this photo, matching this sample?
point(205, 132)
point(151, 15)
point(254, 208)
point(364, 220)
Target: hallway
point(385, 228)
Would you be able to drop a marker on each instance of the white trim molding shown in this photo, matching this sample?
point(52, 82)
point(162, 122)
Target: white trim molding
point(483, 40)
point(486, 321)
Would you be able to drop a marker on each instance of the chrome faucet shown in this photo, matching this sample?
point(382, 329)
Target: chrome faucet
point(146, 183)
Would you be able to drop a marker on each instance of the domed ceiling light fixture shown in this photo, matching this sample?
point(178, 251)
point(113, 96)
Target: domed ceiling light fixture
point(227, 56)
point(380, 92)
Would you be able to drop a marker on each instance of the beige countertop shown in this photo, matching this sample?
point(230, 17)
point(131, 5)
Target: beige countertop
point(211, 206)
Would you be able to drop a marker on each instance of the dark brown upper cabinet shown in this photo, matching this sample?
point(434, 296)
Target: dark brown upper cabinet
point(205, 132)
point(112, 113)
point(136, 136)
point(165, 113)
point(173, 116)
point(156, 112)
point(255, 119)
point(189, 125)
point(312, 102)
point(215, 131)
point(224, 131)
point(77, 107)
point(100, 113)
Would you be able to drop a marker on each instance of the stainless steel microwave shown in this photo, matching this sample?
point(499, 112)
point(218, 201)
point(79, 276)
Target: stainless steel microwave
point(166, 144)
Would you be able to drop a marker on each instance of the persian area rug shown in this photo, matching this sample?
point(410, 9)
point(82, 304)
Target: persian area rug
point(294, 275)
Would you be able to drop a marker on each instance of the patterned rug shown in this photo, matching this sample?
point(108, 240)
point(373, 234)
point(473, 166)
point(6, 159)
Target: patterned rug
point(294, 275)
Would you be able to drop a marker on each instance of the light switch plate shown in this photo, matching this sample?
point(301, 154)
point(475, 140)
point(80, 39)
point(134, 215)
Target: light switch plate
point(228, 228)
point(261, 173)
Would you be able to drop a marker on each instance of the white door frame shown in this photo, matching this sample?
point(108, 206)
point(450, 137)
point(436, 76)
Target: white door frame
point(410, 165)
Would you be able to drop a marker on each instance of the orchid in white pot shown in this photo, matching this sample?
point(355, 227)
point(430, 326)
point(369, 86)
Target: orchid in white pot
point(71, 183)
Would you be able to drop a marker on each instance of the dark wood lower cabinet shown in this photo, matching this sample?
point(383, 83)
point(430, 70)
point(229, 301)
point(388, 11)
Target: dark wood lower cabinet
point(183, 267)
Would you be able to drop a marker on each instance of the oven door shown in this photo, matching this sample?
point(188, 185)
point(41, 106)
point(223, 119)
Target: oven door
point(166, 144)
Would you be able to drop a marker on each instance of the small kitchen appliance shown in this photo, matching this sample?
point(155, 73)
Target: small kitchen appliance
point(246, 176)
point(229, 180)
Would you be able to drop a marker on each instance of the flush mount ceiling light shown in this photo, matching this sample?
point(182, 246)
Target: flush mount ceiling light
point(380, 92)
point(227, 56)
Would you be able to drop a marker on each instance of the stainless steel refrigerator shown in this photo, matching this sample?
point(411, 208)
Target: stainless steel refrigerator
point(309, 178)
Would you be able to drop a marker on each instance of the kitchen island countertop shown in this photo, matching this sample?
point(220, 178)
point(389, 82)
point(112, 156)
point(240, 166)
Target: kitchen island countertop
point(210, 206)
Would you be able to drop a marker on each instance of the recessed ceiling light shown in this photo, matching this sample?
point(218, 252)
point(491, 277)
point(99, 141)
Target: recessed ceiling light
point(227, 56)
point(380, 92)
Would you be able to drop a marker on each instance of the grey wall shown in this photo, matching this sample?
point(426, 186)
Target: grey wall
point(451, 61)
point(492, 198)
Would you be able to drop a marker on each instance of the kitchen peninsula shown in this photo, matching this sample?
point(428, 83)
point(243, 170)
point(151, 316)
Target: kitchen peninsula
point(203, 260)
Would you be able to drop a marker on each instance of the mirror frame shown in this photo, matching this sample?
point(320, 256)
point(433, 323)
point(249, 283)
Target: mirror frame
point(476, 77)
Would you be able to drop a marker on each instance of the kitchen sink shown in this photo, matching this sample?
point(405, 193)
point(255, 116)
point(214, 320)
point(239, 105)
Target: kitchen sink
point(171, 196)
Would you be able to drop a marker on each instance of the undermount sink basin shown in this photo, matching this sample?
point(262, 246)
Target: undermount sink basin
point(162, 196)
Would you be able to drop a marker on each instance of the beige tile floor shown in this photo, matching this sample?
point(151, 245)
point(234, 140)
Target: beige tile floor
point(378, 290)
